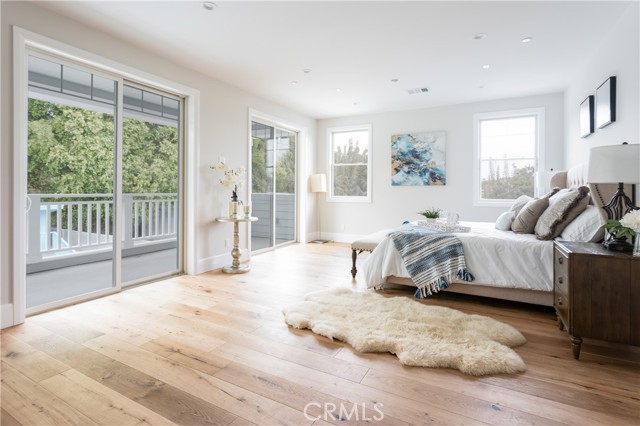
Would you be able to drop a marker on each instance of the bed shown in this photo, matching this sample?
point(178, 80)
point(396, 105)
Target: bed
point(506, 265)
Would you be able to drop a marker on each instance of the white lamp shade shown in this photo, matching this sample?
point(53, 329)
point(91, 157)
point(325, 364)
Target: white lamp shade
point(614, 164)
point(318, 183)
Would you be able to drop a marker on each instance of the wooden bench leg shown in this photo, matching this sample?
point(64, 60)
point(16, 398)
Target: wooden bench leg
point(354, 256)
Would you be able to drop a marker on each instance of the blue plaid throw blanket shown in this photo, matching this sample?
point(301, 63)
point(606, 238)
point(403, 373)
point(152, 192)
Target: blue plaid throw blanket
point(432, 258)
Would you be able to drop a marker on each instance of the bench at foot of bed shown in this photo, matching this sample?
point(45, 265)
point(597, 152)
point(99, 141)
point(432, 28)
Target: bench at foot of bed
point(367, 243)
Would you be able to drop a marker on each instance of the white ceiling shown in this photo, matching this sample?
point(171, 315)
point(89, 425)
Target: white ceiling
point(359, 47)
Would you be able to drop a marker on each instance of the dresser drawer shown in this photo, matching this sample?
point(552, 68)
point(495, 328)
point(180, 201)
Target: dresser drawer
point(561, 304)
point(560, 273)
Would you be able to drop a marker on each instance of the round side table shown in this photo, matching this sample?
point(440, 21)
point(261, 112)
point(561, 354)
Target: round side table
point(235, 267)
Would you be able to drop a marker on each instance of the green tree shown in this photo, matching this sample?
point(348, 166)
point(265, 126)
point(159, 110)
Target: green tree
point(71, 150)
point(512, 183)
point(260, 179)
point(286, 171)
point(350, 170)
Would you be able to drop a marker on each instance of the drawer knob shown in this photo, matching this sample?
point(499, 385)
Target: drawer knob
point(561, 260)
point(560, 280)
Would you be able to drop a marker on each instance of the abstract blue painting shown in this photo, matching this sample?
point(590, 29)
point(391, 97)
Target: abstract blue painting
point(418, 159)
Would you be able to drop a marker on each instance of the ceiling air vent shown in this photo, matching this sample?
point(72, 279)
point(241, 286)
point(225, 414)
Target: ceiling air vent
point(417, 91)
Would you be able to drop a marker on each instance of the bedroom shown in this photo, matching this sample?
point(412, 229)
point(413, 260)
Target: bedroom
point(339, 221)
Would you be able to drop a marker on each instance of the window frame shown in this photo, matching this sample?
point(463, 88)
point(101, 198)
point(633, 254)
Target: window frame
point(330, 193)
point(539, 114)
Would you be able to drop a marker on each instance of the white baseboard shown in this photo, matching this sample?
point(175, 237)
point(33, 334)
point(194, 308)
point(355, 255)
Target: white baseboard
point(341, 238)
point(6, 315)
point(217, 262)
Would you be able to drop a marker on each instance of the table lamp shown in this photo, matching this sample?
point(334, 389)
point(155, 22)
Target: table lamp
point(616, 164)
point(318, 184)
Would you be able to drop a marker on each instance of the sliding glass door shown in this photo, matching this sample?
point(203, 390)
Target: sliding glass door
point(91, 184)
point(150, 184)
point(273, 184)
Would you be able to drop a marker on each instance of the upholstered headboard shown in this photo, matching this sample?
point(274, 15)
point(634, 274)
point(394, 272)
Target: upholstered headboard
point(576, 176)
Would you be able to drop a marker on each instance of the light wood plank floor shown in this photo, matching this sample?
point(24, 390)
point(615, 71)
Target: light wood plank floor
point(214, 349)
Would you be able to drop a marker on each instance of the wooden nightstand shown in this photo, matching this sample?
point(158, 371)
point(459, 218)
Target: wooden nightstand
point(596, 293)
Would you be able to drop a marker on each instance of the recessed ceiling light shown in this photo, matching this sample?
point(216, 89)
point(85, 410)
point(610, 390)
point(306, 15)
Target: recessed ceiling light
point(209, 5)
point(486, 66)
point(527, 39)
point(293, 83)
point(356, 103)
point(480, 87)
point(394, 80)
point(306, 70)
point(338, 90)
point(480, 36)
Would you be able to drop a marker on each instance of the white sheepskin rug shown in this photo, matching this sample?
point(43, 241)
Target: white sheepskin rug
point(419, 334)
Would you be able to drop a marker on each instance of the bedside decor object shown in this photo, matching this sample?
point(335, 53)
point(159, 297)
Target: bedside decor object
point(418, 159)
point(317, 185)
point(586, 117)
point(606, 103)
point(616, 164)
point(232, 179)
point(632, 221)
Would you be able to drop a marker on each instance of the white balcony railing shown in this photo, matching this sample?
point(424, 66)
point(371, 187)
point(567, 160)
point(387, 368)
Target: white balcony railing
point(68, 224)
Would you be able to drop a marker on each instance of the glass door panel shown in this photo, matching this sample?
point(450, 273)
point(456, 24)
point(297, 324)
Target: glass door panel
point(273, 185)
point(70, 183)
point(150, 185)
point(285, 195)
point(262, 176)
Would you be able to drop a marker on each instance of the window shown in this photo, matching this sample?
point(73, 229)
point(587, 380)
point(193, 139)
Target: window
point(507, 153)
point(350, 163)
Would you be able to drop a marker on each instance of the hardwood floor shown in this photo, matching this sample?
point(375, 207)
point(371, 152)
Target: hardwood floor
point(214, 349)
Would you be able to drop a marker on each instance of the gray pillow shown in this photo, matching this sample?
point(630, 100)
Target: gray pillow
point(519, 203)
point(525, 221)
point(565, 206)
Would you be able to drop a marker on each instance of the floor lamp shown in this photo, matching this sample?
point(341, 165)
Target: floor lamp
point(318, 184)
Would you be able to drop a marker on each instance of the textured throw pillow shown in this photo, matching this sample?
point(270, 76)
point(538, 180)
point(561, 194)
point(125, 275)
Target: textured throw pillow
point(519, 203)
point(525, 221)
point(564, 207)
point(586, 228)
point(504, 221)
point(551, 193)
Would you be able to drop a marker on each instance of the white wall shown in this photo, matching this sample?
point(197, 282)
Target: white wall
point(223, 127)
point(392, 205)
point(618, 55)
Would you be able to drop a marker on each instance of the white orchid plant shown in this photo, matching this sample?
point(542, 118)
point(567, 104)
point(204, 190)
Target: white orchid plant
point(628, 226)
point(229, 178)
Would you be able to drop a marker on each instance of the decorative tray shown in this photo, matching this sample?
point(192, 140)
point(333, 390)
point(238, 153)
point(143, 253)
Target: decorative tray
point(443, 226)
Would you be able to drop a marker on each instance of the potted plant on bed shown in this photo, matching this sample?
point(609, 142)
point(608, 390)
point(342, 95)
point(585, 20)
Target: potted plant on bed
point(431, 215)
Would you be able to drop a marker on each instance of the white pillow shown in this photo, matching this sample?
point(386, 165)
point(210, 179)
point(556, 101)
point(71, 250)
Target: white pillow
point(504, 221)
point(587, 227)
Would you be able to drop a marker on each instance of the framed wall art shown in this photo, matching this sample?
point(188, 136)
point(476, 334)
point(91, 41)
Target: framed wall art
point(606, 103)
point(418, 159)
point(586, 116)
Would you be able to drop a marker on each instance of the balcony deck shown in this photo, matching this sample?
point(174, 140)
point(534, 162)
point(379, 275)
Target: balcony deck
point(62, 283)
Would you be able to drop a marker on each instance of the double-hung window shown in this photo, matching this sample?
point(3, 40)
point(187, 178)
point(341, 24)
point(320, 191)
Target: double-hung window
point(508, 150)
point(350, 163)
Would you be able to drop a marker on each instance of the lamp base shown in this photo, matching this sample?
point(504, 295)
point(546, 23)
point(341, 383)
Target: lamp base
point(617, 245)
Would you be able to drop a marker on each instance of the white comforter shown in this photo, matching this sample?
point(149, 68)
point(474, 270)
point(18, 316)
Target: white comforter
point(495, 258)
